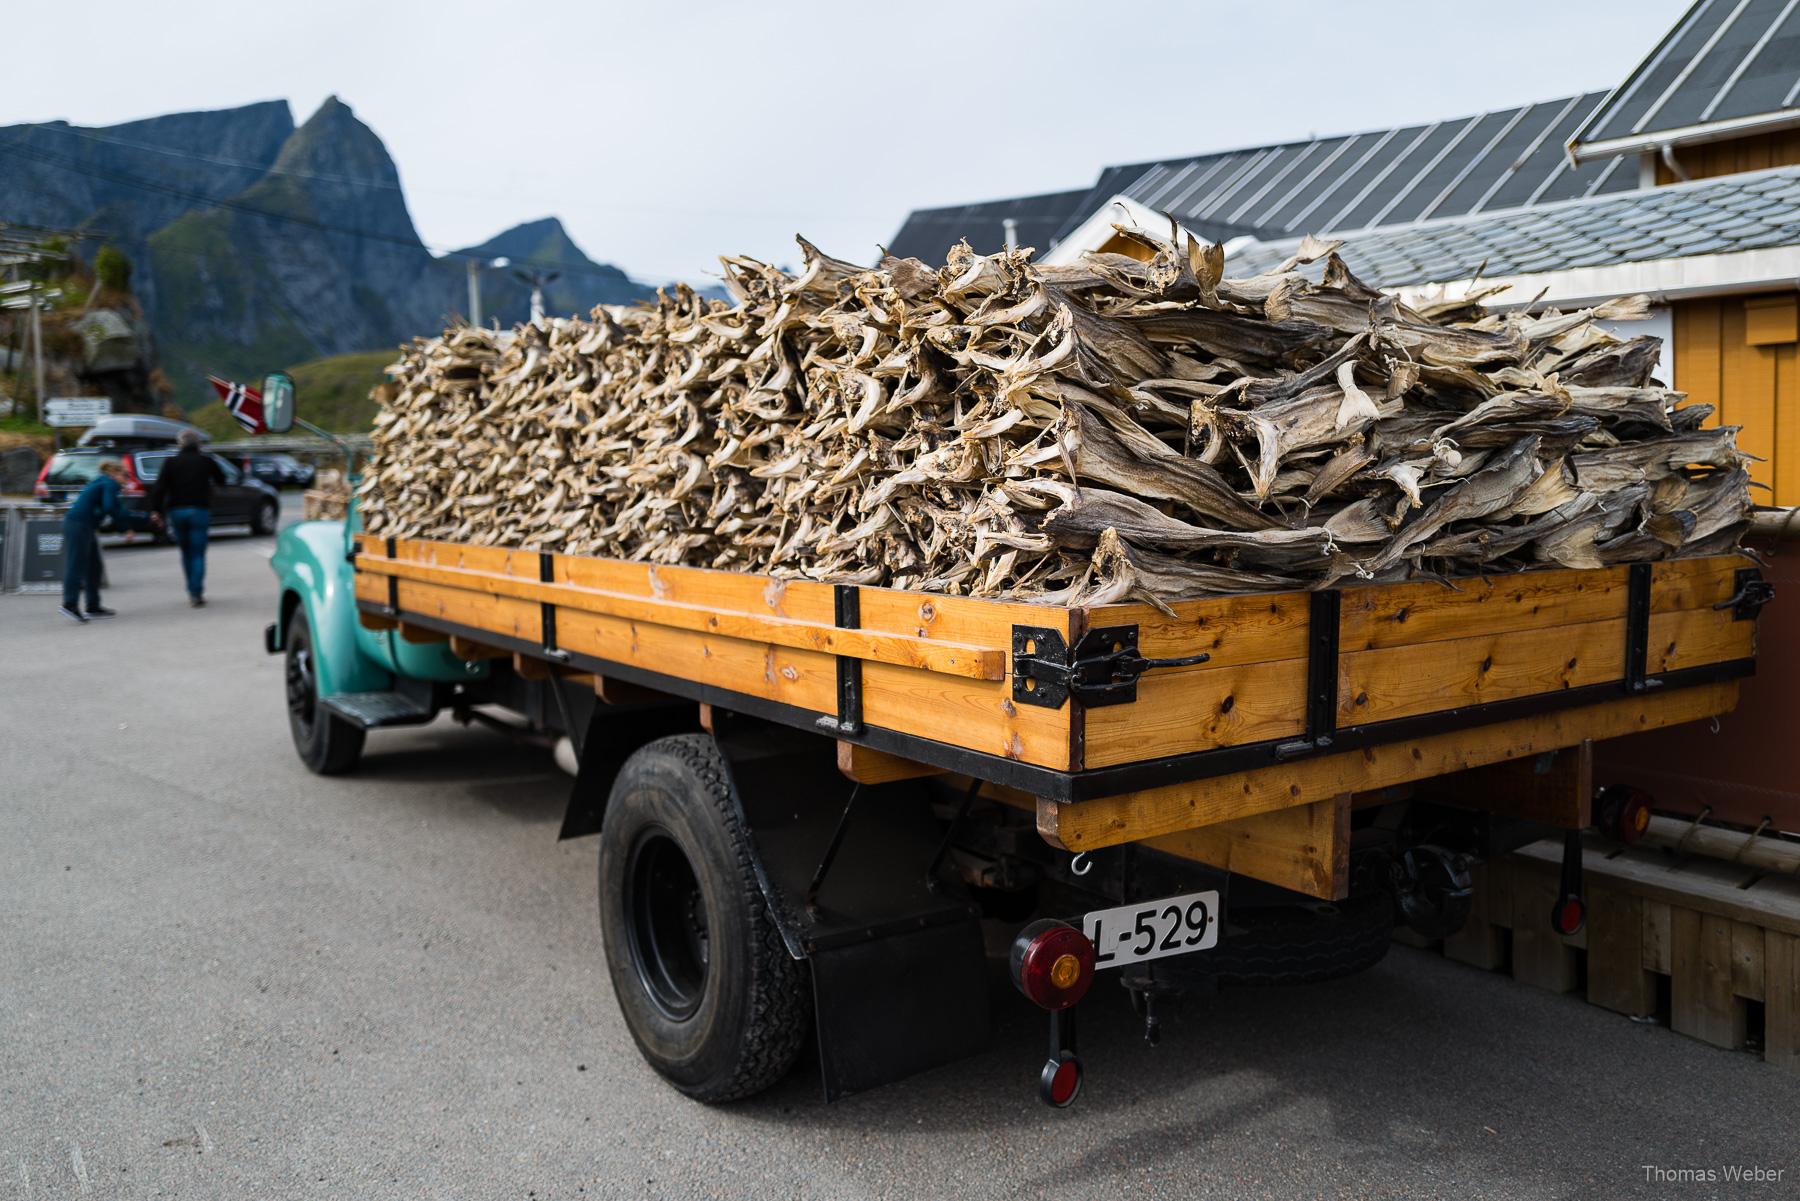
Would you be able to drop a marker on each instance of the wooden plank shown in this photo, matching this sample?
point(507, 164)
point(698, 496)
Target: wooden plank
point(1747, 961)
point(1659, 936)
point(1306, 849)
point(1558, 792)
point(1482, 941)
point(1694, 583)
point(1540, 956)
point(1181, 711)
point(1787, 425)
point(1770, 320)
point(473, 610)
point(1403, 681)
point(622, 692)
point(470, 651)
point(1781, 1005)
point(1697, 355)
point(1616, 978)
point(1386, 615)
point(966, 713)
point(980, 663)
point(1701, 1002)
point(1234, 630)
point(374, 621)
point(1697, 637)
point(1703, 887)
point(420, 636)
point(867, 766)
point(1748, 379)
point(1108, 821)
point(806, 679)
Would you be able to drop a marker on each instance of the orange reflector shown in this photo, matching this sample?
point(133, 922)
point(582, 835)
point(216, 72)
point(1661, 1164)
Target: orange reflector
point(1065, 971)
point(1640, 818)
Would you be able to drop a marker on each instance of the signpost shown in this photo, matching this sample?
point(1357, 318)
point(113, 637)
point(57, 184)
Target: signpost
point(76, 410)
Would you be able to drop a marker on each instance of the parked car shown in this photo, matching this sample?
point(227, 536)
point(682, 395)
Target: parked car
point(241, 500)
point(279, 470)
point(131, 431)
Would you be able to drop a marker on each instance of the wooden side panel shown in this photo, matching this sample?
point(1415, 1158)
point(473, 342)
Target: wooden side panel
point(1787, 423)
point(796, 600)
point(1747, 960)
point(1659, 937)
point(1697, 355)
point(807, 679)
point(1404, 614)
point(1701, 1001)
point(477, 610)
point(1306, 848)
point(1697, 637)
point(968, 713)
point(1747, 380)
point(1694, 583)
point(1181, 711)
point(1234, 630)
point(1733, 156)
point(1401, 681)
point(1108, 821)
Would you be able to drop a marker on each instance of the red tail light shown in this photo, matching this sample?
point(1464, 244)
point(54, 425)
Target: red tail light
point(1060, 1081)
point(41, 490)
point(1052, 964)
point(132, 486)
point(1569, 916)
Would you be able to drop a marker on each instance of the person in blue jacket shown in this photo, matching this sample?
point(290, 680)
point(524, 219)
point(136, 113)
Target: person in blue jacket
point(81, 538)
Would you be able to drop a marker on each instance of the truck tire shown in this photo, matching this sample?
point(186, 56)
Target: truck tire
point(707, 988)
point(1295, 944)
point(326, 743)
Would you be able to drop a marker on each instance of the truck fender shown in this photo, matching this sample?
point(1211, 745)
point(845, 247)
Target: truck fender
point(313, 573)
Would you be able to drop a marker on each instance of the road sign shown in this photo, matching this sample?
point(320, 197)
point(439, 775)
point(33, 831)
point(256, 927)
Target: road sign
point(76, 410)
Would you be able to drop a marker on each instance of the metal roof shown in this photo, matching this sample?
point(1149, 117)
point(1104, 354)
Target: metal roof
point(930, 233)
point(1415, 173)
point(1709, 216)
point(1728, 66)
point(1495, 160)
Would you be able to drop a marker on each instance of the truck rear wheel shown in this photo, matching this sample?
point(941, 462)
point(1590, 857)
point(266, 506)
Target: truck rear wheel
point(711, 996)
point(326, 743)
point(1294, 944)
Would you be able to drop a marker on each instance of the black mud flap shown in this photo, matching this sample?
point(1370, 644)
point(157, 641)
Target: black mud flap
point(899, 973)
point(609, 736)
point(889, 1008)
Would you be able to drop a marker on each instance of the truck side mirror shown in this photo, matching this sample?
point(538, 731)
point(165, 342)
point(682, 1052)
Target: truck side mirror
point(278, 402)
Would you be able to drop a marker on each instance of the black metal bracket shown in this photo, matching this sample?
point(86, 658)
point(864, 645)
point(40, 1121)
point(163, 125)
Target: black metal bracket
point(1104, 669)
point(547, 610)
point(847, 612)
point(1323, 633)
point(1750, 592)
point(1637, 630)
point(393, 585)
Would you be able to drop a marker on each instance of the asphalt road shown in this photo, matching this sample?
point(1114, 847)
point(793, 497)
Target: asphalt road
point(223, 977)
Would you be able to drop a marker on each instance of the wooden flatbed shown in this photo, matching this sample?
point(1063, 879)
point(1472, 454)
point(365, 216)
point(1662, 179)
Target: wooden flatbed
point(1236, 731)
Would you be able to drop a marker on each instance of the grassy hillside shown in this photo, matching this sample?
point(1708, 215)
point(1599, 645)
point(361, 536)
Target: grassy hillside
point(334, 394)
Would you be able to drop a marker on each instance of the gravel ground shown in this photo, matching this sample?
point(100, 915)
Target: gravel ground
point(223, 977)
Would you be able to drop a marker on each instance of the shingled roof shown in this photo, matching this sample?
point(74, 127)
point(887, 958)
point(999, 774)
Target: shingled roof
point(1709, 216)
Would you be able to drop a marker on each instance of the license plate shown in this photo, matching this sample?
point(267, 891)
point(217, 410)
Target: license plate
point(1153, 929)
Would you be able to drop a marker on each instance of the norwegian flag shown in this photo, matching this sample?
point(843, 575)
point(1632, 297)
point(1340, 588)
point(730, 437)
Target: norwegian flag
point(244, 403)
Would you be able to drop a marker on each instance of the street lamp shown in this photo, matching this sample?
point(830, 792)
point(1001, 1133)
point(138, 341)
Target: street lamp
point(475, 266)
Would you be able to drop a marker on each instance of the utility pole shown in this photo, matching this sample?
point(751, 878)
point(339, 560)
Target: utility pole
point(37, 348)
point(537, 279)
point(1012, 233)
point(475, 266)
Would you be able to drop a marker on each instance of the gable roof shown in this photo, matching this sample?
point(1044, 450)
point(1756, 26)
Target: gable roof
point(930, 233)
point(1727, 67)
point(1722, 215)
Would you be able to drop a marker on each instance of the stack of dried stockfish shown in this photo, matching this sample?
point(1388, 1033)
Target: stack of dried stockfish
point(1133, 426)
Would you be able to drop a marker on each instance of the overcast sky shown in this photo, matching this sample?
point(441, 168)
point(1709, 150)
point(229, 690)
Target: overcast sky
point(665, 134)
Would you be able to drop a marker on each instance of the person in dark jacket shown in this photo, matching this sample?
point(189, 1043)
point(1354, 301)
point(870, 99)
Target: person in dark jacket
point(97, 502)
point(183, 496)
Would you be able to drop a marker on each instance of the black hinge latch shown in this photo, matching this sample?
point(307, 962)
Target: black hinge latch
point(1750, 594)
point(1104, 669)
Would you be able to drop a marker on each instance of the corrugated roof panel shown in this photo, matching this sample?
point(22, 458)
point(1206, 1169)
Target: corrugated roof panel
point(1281, 182)
point(1324, 196)
point(1464, 155)
point(1293, 194)
point(1736, 40)
point(1653, 77)
point(1506, 157)
point(1767, 80)
point(1387, 189)
point(1213, 204)
point(1545, 161)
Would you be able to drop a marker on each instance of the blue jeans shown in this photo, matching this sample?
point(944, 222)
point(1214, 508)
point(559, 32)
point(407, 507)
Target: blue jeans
point(81, 563)
point(188, 526)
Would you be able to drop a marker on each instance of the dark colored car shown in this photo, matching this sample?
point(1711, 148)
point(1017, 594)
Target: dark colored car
point(241, 500)
point(279, 470)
